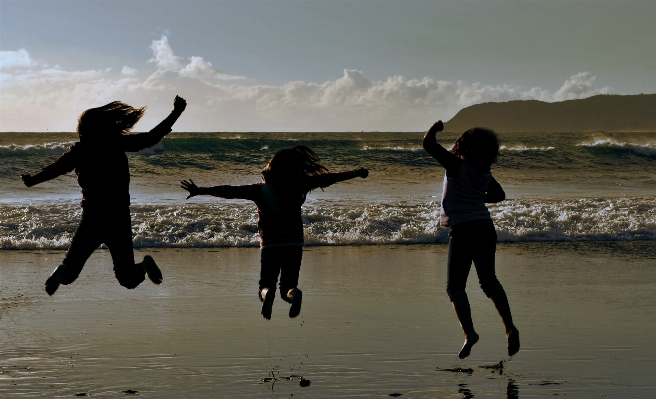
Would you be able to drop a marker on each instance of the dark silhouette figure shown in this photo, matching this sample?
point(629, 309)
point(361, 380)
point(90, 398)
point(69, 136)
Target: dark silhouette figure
point(286, 180)
point(103, 174)
point(468, 185)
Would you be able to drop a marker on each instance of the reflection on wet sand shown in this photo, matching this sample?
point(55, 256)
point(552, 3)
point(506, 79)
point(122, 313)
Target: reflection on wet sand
point(360, 333)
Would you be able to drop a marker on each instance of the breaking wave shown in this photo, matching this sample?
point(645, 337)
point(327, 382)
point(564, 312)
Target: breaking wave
point(345, 223)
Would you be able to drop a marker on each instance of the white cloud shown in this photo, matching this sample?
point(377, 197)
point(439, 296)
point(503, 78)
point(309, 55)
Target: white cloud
point(128, 71)
point(196, 68)
point(16, 59)
point(50, 97)
point(580, 85)
point(163, 55)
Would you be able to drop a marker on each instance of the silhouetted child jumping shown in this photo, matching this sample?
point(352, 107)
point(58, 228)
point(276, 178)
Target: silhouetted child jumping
point(468, 185)
point(286, 180)
point(103, 174)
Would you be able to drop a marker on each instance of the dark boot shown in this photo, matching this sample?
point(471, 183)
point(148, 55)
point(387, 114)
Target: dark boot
point(463, 311)
point(512, 333)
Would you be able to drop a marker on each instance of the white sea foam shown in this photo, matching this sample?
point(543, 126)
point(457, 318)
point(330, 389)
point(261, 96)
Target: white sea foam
point(392, 148)
point(56, 148)
point(342, 223)
point(525, 148)
point(646, 149)
point(45, 148)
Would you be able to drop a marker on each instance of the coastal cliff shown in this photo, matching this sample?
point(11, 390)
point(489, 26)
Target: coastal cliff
point(608, 113)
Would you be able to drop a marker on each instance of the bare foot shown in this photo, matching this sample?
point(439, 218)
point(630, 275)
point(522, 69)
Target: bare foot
point(470, 340)
point(153, 272)
point(52, 283)
point(267, 302)
point(513, 341)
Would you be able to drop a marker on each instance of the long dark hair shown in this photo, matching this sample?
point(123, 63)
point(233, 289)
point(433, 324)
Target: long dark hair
point(289, 167)
point(478, 147)
point(114, 118)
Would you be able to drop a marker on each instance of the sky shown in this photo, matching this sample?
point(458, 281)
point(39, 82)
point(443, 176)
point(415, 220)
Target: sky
point(313, 65)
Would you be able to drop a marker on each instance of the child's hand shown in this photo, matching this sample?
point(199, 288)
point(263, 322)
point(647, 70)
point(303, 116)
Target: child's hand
point(27, 179)
point(437, 127)
point(190, 186)
point(362, 172)
point(179, 104)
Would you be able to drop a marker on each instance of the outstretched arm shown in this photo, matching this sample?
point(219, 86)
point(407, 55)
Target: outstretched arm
point(494, 193)
point(327, 179)
point(450, 162)
point(62, 165)
point(248, 192)
point(137, 142)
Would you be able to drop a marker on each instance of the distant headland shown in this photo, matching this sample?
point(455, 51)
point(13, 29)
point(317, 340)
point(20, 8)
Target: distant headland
point(607, 113)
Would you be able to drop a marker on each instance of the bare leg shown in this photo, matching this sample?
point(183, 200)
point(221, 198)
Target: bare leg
point(463, 311)
point(512, 333)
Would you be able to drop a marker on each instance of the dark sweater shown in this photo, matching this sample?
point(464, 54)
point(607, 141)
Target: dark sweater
point(102, 167)
point(279, 213)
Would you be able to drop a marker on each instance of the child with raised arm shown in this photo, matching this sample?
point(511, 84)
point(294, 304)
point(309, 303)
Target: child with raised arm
point(468, 185)
point(286, 180)
point(103, 174)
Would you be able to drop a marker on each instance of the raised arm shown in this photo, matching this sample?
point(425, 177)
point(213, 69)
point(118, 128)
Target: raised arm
point(63, 165)
point(450, 162)
point(247, 192)
point(137, 142)
point(328, 179)
point(494, 192)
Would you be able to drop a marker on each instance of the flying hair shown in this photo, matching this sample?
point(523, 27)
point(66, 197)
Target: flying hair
point(290, 167)
point(478, 147)
point(114, 118)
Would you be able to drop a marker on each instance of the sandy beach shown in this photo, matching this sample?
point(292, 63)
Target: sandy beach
point(375, 321)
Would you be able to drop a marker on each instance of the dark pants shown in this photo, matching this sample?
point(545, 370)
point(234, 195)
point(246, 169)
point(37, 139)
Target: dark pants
point(283, 261)
point(112, 227)
point(469, 242)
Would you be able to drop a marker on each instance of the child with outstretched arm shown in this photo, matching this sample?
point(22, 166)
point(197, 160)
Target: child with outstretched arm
point(468, 185)
point(286, 180)
point(103, 174)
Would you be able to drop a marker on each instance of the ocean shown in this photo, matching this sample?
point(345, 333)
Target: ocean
point(560, 187)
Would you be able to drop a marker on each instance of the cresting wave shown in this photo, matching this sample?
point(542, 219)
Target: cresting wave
point(58, 148)
point(45, 148)
point(344, 223)
point(525, 148)
point(223, 144)
point(646, 149)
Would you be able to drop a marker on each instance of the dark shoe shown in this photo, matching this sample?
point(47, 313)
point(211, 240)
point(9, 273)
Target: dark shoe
point(296, 296)
point(52, 283)
point(267, 304)
point(154, 274)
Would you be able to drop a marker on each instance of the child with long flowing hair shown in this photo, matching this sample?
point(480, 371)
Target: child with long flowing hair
point(286, 180)
point(468, 186)
point(103, 174)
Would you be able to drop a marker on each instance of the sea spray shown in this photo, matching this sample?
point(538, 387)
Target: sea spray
point(341, 223)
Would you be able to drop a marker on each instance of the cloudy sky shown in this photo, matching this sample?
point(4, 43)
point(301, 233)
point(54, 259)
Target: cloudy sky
point(313, 66)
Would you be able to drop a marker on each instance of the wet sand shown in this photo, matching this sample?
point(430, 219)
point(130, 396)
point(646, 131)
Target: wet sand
point(375, 322)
